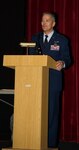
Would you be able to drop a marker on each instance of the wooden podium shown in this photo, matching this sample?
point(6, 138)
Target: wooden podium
point(30, 128)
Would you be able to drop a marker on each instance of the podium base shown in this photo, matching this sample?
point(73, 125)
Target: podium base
point(28, 149)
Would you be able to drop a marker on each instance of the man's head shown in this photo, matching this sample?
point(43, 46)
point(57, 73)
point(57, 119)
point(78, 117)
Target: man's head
point(48, 22)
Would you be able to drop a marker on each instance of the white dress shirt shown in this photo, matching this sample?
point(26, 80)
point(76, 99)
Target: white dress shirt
point(49, 36)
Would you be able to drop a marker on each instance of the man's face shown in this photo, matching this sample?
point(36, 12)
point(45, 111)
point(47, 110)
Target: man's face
point(47, 23)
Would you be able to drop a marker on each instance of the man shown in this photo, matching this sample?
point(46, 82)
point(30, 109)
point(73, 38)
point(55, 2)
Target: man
point(55, 45)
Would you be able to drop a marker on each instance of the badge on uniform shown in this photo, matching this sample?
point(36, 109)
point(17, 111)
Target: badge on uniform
point(55, 46)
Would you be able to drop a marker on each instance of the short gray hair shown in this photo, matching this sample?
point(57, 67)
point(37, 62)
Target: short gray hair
point(52, 14)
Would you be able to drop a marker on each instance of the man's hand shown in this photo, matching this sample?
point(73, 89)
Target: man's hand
point(59, 65)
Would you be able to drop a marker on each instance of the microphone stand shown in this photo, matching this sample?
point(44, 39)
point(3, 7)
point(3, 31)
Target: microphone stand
point(27, 45)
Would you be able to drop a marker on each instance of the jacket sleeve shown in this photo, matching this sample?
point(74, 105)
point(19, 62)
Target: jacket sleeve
point(65, 53)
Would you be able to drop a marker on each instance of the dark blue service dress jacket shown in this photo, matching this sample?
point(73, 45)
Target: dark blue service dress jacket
point(58, 49)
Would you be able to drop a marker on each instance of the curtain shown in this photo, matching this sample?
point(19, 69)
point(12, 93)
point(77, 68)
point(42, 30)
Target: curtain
point(68, 24)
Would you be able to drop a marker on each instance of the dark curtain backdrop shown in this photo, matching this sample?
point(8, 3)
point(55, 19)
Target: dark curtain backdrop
point(12, 32)
point(68, 24)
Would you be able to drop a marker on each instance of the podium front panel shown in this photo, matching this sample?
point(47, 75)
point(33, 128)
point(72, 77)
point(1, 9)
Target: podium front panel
point(30, 129)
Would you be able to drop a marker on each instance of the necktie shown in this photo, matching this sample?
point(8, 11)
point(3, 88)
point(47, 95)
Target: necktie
point(46, 36)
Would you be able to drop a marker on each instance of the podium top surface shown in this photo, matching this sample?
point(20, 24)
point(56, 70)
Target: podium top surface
point(28, 60)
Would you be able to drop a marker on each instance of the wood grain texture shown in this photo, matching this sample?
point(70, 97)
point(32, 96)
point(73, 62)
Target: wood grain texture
point(30, 129)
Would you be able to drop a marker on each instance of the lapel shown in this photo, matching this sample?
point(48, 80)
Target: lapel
point(53, 38)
